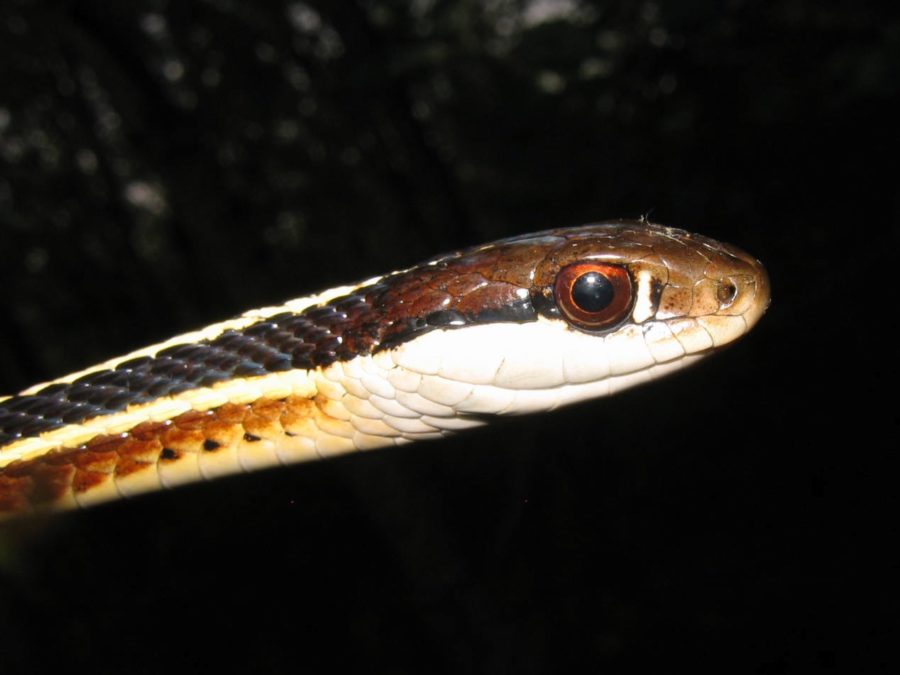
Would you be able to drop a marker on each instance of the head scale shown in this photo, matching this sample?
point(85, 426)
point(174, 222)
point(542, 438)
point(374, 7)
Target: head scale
point(563, 315)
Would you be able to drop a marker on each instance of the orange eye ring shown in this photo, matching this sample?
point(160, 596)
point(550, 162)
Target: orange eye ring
point(594, 296)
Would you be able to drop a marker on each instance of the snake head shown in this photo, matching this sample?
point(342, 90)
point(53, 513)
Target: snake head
point(571, 314)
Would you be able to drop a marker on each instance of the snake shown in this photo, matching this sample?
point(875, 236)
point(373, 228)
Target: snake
point(521, 325)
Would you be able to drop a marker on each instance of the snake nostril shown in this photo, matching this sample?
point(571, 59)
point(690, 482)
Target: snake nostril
point(726, 292)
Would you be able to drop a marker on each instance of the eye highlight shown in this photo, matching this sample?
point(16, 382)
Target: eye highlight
point(593, 296)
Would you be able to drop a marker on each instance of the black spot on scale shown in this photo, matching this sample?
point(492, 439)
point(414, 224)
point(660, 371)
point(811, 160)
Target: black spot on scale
point(545, 305)
point(445, 318)
point(656, 289)
point(169, 454)
point(251, 438)
point(515, 312)
point(209, 445)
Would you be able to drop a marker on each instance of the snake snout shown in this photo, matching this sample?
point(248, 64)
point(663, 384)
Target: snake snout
point(744, 290)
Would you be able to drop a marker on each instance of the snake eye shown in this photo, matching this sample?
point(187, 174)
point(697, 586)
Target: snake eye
point(593, 296)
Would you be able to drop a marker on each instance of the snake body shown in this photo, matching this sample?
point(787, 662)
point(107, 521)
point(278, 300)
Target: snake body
point(516, 326)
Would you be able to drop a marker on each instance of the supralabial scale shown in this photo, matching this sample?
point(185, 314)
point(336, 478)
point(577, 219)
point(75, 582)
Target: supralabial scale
point(516, 326)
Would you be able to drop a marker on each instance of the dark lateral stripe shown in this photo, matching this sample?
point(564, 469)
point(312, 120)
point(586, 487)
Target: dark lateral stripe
point(379, 316)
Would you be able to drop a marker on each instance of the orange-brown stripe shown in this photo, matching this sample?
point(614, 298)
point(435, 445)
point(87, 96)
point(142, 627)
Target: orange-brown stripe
point(49, 479)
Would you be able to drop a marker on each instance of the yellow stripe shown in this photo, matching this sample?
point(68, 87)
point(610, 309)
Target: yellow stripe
point(244, 390)
point(210, 332)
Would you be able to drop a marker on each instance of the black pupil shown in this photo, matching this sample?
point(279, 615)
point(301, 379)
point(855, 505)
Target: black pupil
point(592, 292)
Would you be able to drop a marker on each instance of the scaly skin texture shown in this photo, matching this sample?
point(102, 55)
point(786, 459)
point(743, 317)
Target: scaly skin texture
point(412, 355)
point(111, 466)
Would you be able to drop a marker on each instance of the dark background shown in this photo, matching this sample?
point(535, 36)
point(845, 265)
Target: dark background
point(168, 164)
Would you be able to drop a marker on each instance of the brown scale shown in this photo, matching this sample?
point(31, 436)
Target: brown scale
point(48, 480)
